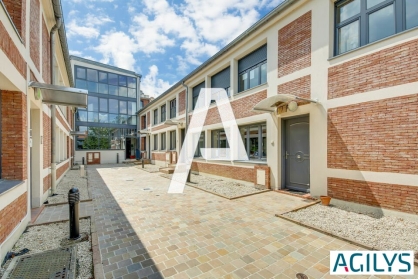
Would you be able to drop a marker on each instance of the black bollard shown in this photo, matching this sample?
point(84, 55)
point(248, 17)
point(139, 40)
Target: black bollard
point(117, 158)
point(74, 204)
point(142, 162)
point(82, 161)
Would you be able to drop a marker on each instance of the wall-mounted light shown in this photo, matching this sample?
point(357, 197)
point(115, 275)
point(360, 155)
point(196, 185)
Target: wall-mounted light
point(292, 106)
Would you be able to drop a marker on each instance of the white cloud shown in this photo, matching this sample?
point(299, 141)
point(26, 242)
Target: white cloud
point(75, 52)
point(88, 26)
point(119, 47)
point(152, 85)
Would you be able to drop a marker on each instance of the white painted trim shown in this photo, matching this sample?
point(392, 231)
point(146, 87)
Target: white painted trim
point(375, 95)
point(9, 196)
point(379, 177)
point(11, 74)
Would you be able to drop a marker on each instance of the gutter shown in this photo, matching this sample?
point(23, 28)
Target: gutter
point(283, 6)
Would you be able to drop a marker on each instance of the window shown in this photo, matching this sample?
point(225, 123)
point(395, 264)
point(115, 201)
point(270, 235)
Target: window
point(219, 140)
point(123, 107)
point(196, 91)
point(163, 141)
point(103, 105)
point(172, 140)
point(92, 104)
point(163, 113)
point(155, 142)
point(254, 138)
point(252, 69)
point(173, 108)
point(360, 22)
point(222, 80)
point(81, 115)
point(200, 144)
point(113, 106)
point(103, 138)
point(131, 108)
point(155, 116)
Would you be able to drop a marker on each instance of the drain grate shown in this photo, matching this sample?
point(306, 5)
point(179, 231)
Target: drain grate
point(53, 264)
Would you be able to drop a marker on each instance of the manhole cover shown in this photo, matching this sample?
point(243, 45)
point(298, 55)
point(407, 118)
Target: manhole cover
point(301, 276)
point(53, 264)
point(146, 189)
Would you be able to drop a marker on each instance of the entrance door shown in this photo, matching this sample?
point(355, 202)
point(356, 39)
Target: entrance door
point(296, 153)
point(128, 148)
point(93, 158)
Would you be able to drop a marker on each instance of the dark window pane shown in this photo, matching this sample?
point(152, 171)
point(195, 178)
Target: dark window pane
point(131, 108)
point(113, 79)
point(254, 77)
point(103, 88)
point(348, 37)
point(93, 87)
point(82, 84)
point(131, 93)
point(93, 117)
point(122, 81)
point(92, 75)
point(103, 105)
point(131, 82)
point(372, 3)
point(113, 106)
point(254, 143)
point(132, 120)
point(102, 77)
point(411, 13)
point(348, 10)
point(155, 142)
point(123, 119)
point(113, 118)
point(243, 82)
point(264, 136)
point(381, 23)
point(123, 91)
point(103, 118)
point(93, 104)
point(81, 115)
point(81, 128)
point(263, 73)
point(81, 73)
point(122, 107)
point(113, 90)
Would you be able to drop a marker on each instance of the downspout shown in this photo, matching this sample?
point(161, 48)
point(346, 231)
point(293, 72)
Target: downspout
point(53, 109)
point(186, 127)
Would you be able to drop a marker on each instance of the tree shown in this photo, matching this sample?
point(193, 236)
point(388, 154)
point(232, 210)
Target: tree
point(97, 138)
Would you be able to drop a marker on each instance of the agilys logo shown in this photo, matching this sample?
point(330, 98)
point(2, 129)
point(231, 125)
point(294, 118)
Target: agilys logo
point(372, 263)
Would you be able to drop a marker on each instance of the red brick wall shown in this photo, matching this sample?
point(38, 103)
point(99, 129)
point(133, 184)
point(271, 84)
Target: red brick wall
point(47, 182)
point(300, 87)
point(159, 127)
point(182, 102)
point(62, 169)
point(295, 45)
point(17, 11)
point(143, 141)
point(45, 54)
point(14, 135)
point(234, 172)
point(46, 139)
point(61, 119)
point(379, 136)
point(391, 196)
point(242, 108)
point(159, 156)
point(389, 67)
point(35, 37)
point(11, 51)
point(145, 101)
point(12, 215)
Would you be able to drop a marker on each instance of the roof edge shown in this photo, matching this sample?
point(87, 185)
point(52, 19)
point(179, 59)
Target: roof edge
point(81, 59)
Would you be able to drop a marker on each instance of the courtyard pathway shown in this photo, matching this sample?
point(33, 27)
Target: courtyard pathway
point(144, 232)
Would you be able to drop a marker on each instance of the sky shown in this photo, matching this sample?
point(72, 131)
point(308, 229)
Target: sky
point(163, 40)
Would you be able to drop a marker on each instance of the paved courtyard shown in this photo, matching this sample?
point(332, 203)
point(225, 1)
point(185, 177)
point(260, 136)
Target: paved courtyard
point(151, 234)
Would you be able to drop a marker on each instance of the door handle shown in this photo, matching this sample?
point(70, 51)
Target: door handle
point(287, 154)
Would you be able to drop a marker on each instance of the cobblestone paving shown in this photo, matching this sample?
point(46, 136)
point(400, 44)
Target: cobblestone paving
point(56, 213)
point(152, 234)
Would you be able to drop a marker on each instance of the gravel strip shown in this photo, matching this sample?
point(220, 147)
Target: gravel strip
point(227, 188)
point(71, 179)
point(385, 233)
point(47, 237)
point(149, 168)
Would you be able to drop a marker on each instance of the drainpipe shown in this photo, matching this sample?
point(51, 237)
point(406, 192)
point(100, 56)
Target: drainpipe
point(53, 109)
point(186, 126)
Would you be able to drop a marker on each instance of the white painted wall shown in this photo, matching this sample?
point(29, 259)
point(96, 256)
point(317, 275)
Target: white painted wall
point(106, 156)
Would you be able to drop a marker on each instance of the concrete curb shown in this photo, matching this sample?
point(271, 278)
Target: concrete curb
point(351, 241)
point(52, 222)
point(62, 203)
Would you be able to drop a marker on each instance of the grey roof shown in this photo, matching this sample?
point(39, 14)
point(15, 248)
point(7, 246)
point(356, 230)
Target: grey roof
point(92, 62)
point(281, 7)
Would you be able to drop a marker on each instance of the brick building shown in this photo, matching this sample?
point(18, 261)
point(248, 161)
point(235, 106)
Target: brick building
point(351, 68)
point(26, 166)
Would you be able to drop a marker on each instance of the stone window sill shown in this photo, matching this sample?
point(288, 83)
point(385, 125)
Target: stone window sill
point(7, 185)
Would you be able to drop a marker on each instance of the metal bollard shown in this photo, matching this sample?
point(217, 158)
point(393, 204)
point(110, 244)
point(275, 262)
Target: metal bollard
point(117, 158)
point(142, 163)
point(82, 161)
point(74, 204)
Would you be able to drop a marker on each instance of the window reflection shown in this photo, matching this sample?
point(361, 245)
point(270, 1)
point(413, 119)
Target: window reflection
point(381, 23)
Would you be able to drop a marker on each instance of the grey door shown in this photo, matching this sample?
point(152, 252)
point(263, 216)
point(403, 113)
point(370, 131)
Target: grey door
point(296, 154)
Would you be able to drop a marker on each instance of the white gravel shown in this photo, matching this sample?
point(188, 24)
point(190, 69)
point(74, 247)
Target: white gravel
point(71, 179)
point(47, 237)
point(224, 187)
point(384, 233)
